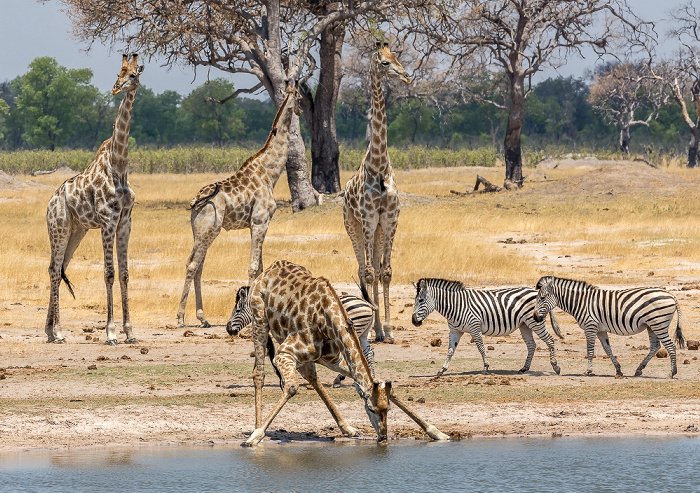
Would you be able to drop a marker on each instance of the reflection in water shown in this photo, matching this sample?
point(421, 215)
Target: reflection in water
point(502, 465)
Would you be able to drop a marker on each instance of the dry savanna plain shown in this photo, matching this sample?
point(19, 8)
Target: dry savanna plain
point(614, 224)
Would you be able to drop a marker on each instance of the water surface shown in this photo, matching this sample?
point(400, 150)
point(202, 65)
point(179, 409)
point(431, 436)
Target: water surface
point(631, 464)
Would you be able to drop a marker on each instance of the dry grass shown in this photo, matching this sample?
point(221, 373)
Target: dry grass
point(439, 235)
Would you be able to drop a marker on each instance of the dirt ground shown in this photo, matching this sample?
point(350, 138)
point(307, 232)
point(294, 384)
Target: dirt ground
point(192, 385)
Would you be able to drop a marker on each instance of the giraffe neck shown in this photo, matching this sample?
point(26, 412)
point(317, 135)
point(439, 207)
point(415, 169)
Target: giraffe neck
point(274, 156)
point(120, 135)
point(379, 160)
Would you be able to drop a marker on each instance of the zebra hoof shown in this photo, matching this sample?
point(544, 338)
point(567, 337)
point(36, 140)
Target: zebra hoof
point(557, 370)
point(206, 325)
point(589, 373)
point(131, 341)
point(111, 342)
point(58, 341)
point(638, 373)
point(523, 370)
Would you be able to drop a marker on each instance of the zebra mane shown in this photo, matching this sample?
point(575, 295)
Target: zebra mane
point(446, 284)
point(242, 293)
point(564, 280)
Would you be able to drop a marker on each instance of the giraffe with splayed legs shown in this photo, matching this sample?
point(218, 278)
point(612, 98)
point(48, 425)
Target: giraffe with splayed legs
point(244, 200)
point(371, 203)
point(99, 197)
point(306, 317)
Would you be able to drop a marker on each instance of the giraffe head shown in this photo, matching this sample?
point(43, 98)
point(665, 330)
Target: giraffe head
point(377, 407)
point(385, 64)
point(128, 77)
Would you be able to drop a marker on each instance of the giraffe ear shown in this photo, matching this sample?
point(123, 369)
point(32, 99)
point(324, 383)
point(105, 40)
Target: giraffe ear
point(379, 44)
point(386, 45)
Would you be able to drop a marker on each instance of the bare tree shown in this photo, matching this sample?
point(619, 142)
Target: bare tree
point(619, 90)
point(270, 39)
point(520, 37)
point(681, 75)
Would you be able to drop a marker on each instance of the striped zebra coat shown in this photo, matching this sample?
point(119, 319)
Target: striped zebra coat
point(492, 312)
point(617, 311)
point(360, 310)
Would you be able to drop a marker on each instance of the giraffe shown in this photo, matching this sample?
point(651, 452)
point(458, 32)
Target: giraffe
point(244, 200)
point(371, 204)
point(99, 197)
point(305, 316)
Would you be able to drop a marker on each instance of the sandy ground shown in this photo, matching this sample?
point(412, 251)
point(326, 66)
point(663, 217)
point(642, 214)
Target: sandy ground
point(178, 388)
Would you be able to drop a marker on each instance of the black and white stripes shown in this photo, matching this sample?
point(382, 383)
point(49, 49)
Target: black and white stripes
point(493, 312)
point(617, 311)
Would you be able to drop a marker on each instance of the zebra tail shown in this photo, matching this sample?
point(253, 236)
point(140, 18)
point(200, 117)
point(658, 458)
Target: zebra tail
point(271, 355)
point(365, 295)
point(555, 325)
point(680, 340)
point(68, 283)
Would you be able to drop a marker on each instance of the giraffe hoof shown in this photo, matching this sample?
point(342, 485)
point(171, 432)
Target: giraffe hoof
point(206, 325)
point(351, 432)
point(111, 342)
point(58, 341)
point(131, 341)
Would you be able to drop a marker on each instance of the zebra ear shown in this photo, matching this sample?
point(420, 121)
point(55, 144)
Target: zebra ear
point(414, 284)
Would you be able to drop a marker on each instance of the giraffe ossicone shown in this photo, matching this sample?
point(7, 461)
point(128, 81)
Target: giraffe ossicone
point(244, 200)
point(371, 200)
point(98, 198)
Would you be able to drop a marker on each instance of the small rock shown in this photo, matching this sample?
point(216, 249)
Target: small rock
point(490, 348)
point(88, 337)
point(125, 357)
point(686, 361)
point(252, 354)
point(92, 367)
point(170, 326)
point(421, 400)
point(432, 361)
point(437, 342)
point(650, 273)
point(102, 358)
point(662, 353)
point(410, 398)
point(692, 344)
point(188, 333)
point(89, 329)
point(144, 350)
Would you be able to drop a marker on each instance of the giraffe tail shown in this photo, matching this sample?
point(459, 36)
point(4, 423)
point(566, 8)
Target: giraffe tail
point(365, 294)
point(198, 202)
point(271, 355)
point(68, 283)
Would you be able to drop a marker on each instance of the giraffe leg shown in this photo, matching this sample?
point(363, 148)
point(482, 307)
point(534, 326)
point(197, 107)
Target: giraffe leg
point(59, 227)
point(605, 342)
point(308, 371)
point(373, 254)
point(388, 233)
point(286, 363)
point(198, 302)
point(354, 229)
point(108, 232)
point(257, 237)
point(206, 226)
point(123, 234)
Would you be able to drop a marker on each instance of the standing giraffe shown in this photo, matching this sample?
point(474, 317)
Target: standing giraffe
point(244, 200)
point(371, 207)
point(305, 316)
point(99, 197)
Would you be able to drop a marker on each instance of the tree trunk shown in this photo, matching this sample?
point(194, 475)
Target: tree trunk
point(303, 194)
point(325, 172)
point(625, 139)
point(514, 129)
point(693, 147)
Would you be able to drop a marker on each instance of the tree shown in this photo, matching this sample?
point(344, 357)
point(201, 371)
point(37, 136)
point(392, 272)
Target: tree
point(270, 39)
point(520, 37)
point(681, 75)
point(620, 90)
point(155, 119)
point(4, 110)
point(209, 122)
point(50, 99)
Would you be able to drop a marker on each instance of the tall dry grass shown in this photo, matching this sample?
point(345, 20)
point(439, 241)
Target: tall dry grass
point(439, 235)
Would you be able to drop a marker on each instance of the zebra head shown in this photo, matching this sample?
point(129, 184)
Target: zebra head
point(377, 407)
point(242, 315)
point(424, 303)
point(546, 300)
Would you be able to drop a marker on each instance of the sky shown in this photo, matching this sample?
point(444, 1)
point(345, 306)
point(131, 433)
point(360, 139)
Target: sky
point(31, 29)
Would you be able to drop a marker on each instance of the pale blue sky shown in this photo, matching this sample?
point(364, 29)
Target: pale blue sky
point(30, 29)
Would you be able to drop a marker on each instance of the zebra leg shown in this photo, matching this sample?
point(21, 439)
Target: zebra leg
point(603, 336)
point(671, 348)
point(590, 348)
point(542, 333)
point(526, 333)
point(476, 335)
point(455, 336)
point(654, 346)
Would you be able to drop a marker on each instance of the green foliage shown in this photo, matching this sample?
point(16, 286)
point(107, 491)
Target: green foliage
point(210, 121)
point(416, 157)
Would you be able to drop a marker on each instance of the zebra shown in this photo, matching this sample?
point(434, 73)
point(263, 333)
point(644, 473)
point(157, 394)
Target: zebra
point(492, 312)
point(360, 310)
point(618, 311)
